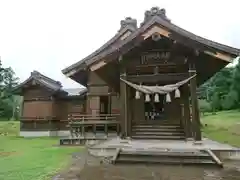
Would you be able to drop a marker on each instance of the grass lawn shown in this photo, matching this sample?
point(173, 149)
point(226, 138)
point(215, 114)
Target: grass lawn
point(41, 158)
point(30, 158)
point(223, 127)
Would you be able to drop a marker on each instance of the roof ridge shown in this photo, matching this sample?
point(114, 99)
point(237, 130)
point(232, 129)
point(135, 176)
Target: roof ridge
point(37, 74)
point(197, 37)
point(126, 25)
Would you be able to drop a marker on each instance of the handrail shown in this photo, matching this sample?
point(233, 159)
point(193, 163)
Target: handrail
point(90, 115)
point(103, 117)
point(93, 122)
point(79, 124)
point(37, 118)
point(214, 157)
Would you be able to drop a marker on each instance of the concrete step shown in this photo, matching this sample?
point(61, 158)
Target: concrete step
point(160, 157)
point(156, 127)
point(158, 137)
point(186, 155)
point(133, 159)
point(158, 133)
point(157, 130)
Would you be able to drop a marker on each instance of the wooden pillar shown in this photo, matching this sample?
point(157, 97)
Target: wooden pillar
point(194, 103)
point(123, 107)
point(109, 104)
point(187, 120)
point(129, 111)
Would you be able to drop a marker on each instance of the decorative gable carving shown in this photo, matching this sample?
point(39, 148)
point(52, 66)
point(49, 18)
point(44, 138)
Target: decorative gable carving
point(128, 22)
point(155, 11)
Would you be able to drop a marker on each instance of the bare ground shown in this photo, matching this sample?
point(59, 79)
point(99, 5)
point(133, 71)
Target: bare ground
point(86, 167)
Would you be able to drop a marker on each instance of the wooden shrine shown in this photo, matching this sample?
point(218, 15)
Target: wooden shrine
point(145, 79)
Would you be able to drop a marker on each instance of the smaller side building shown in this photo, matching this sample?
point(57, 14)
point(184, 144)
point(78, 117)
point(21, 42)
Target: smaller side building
point(47, 105)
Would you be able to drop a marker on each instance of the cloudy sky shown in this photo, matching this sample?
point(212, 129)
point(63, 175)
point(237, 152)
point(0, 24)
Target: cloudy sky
point(49, 35)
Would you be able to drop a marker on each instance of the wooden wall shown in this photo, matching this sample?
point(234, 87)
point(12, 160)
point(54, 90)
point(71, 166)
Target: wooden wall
point(97, 87)
point(66, 107)
point(40, 107)
point(37, 102)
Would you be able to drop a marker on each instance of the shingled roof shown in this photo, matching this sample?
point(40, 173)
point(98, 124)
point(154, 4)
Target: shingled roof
point(43, 80)
point(128, 25)
point(50, 84)
point(155, 16)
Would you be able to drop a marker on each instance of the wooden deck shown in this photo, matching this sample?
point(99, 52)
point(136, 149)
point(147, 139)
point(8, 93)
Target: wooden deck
point(99, 127)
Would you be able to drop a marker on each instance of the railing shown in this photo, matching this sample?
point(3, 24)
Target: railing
point(80, 125)
point(39, 123)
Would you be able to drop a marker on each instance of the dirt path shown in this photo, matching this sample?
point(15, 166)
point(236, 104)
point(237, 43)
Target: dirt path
point(80, 161)
point(86, 167)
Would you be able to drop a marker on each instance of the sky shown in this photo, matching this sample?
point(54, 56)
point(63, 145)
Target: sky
point(49, 35)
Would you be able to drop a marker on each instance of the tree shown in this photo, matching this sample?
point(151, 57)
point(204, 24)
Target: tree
point(7, 82)
point(236, 85)
point(218, 90)
point(230, 101)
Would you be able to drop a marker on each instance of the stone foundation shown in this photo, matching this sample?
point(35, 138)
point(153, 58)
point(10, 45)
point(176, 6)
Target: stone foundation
point(44, 133)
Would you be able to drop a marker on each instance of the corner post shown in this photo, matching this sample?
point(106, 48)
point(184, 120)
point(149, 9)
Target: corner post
point(187, 113)
point(123, 107)
point(194, 102)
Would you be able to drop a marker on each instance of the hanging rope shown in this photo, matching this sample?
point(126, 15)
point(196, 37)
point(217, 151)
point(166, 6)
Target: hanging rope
point(159, 89)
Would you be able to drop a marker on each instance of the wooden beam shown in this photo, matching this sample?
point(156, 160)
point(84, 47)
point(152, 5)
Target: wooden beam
point(163, 65)
point(125, 35)
point(155, 78)
point(219, 55)
point(102, 94)
point(156, 30)
point(98, 65)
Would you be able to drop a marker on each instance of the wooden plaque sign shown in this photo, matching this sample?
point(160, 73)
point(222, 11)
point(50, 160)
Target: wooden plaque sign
point(155, 56)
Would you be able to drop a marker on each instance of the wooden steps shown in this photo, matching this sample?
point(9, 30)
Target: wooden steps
point(174, 158)
point(156, 131)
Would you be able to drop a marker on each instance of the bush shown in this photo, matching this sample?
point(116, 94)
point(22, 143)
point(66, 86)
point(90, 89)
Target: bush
point(204, 106)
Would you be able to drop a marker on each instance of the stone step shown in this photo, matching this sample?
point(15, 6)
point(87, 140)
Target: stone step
point(159, 133)
point(157, 130)
point(157, 126)
point(164, 157)
point(152, 122)
point(186, 155)
point(135, 159)
point(158, 137)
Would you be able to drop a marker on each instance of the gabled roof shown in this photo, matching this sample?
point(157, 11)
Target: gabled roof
point(154, 17)
point(52, 85)
point(128, 26)
point(42, 80)
point(158, 20)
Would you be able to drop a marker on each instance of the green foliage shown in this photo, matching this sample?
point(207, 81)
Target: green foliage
point(230, 101)
point(216, 101)
point(8, 81)
point(222, 91)
point(204, 106)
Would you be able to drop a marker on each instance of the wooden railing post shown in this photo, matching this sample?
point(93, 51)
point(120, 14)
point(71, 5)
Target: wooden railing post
point(83, 128)
point(106, 128)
